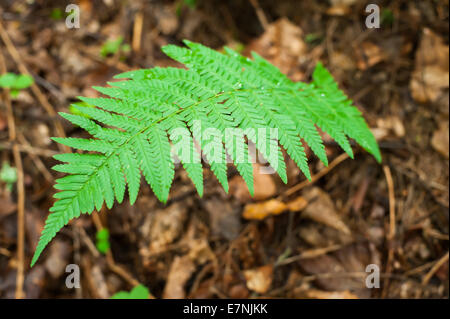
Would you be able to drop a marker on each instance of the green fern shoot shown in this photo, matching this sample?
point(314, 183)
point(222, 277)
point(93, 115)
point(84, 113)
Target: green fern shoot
point(153, 117)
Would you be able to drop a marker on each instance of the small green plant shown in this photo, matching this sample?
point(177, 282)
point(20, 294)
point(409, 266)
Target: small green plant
point(102, 242)
point(8, 175)
point(111, 47)
point(56, 14)
point(138, 292)
point(222, 102)
point(313, 38)
point(15, 82)
point(191, 4)
point(387, 17)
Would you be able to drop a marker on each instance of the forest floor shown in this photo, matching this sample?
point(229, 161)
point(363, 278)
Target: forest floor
point(354, 213)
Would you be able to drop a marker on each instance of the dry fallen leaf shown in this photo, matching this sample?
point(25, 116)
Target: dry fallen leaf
point(6, 206)
point(379, 133)
point(271, 207)
point(200, 252)
point(341, 268)
point(340, 7)
point(321, 209)
point(259, 279)
point(167, 19)
point(368, 54)
point(320, 294)
point(341, 61)
point(263, 184)
point(164, 226)
point(57, 260)
point(179, 273)
point(182, 268)
point(238, 291)
point(260, 211)
point(431, 73)
point(223, 218)
point(282, 44)
point(96, 282)
point(440, 140)
point(238, 189)
point(297, 204)
point(34, 282)
point(392, 123)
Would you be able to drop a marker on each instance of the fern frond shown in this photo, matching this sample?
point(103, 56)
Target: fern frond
point(220, 104)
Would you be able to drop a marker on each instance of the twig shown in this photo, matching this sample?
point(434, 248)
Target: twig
point(434, 233)
point(391, 234)
point(137, 31)
point(34, 87)
point(323, 172)
point(435, 268)
point(419, 269)
point(87, 241)
point(313, 253)
point(260, 14)
point(20, 189)
point(51, 88)
point(390, 183)
point(28, 149)
point(120, 271)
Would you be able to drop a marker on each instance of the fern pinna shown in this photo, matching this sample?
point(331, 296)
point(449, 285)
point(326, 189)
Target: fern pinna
point(134, 129)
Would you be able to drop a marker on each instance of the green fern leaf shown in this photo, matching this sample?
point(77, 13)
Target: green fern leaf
point(217, 107)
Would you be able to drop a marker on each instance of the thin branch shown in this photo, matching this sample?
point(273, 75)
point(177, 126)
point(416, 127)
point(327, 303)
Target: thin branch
point(390, 184)
point(435, 268)
point(392, 230)
point(20, 189)
point(137, 31)
point(28, 149)
point(260, 14)
point(316, 177)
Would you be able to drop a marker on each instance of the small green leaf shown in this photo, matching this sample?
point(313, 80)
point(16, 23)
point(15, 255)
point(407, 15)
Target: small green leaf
point(102, 234)
point(191, 3)
point(23, 81)
point(14, 93)
point(15, 82)
point(387, 16)
point(102, 242)
point(8, 175)
point(103, 246)
point(7, 80)
point(138, 292)
point(56, 14)
point(111, 47)
point(313, 37)
point(125, 48)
